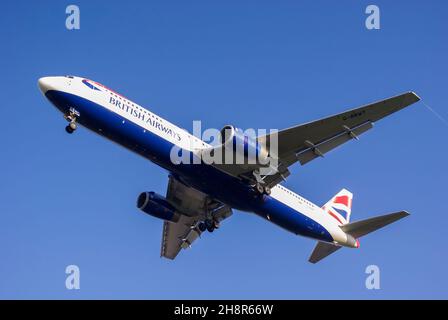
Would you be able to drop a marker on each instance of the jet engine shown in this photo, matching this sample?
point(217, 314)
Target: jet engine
point(243, 146)
point(157, 206)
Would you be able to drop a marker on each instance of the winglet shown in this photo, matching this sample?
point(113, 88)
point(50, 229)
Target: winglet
point(415, 95)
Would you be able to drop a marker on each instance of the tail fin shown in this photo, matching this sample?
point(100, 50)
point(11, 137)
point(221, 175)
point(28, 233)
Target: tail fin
point(340, 206)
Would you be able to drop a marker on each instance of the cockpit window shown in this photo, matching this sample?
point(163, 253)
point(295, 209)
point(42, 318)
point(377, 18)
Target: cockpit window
point(71, 77)
point(91, 86)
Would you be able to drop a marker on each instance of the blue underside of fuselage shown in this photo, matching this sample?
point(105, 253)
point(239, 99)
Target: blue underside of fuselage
point(205, 178)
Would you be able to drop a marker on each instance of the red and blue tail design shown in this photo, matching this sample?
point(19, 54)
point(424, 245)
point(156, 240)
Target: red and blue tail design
point(340, 206)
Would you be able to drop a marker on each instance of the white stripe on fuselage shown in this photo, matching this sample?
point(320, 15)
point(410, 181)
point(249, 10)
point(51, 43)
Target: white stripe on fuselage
point(181, 138)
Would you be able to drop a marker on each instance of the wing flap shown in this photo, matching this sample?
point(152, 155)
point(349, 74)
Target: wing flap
point(177, 236)
point(319, 150)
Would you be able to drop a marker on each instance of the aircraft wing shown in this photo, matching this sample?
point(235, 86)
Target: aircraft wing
point(194, 207)
point(311, 140)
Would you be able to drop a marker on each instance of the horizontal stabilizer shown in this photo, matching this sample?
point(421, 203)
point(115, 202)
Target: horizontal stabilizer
point(322, 250)
point(361, 228)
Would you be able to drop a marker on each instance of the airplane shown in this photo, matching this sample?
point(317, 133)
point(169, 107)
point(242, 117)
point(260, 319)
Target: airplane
point(201, 195)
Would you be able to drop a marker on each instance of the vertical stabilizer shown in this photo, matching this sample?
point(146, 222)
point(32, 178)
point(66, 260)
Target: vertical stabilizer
point(340, 206)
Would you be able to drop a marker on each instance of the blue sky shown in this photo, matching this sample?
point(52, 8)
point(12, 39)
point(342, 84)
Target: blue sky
point(255, 64)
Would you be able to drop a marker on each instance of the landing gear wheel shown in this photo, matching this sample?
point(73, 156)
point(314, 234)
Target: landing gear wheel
point(210, 225)
point(73, 125)
point(71, 117)
point(202, 227)
point(267, 190)
point(259, 188)
point(69, 129)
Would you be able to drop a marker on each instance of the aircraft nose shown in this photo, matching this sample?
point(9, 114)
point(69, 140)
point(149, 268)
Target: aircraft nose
point(44, 84)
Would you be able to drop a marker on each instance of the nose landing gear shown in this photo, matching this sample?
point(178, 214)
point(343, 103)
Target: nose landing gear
point(71, 118)
point(71, 127)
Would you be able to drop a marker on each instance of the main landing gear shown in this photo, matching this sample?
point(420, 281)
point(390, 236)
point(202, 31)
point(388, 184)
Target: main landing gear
point(71, 118)
point(262, 189)
point(260, 186)
point(210, 221)
point(209, 225)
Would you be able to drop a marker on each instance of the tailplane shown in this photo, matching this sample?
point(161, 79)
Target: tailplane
point(322, 250)
point(356, 229)
point(361, 228)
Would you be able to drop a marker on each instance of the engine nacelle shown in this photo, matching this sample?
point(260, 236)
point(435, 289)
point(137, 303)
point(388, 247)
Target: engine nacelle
point(157, 206)
point(243, 146)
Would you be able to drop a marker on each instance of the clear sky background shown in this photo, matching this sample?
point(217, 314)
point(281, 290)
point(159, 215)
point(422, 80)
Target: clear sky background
point(255, 64)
